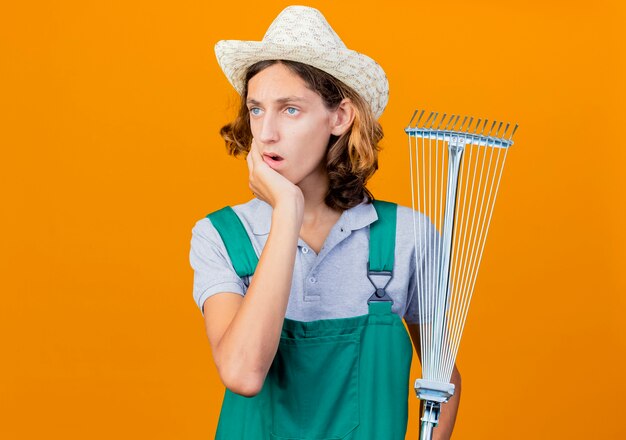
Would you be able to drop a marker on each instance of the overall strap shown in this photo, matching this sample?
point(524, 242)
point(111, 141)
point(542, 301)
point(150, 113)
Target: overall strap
point(382, 249)
point(236, 240)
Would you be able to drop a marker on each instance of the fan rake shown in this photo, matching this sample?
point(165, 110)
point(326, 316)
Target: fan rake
point(455, 176)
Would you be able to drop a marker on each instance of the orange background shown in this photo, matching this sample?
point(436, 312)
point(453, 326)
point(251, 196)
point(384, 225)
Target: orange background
point(110, 153)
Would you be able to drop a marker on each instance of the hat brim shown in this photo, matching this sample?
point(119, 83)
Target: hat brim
point(354, 69)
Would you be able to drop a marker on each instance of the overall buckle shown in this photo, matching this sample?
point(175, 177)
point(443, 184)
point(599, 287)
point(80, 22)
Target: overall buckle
point(380, 279)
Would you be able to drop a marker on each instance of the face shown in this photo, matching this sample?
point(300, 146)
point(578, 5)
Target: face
point(289, 120)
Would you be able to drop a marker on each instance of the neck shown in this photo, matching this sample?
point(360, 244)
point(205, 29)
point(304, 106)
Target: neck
point(315, 209)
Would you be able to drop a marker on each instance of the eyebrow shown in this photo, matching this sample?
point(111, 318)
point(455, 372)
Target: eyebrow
point(279, 100)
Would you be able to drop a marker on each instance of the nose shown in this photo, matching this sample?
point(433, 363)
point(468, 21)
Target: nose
point(269, 128)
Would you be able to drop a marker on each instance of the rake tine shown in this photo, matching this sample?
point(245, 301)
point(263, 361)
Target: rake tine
point(419, 119)
point(505, 130)
point(498, 131)
point(456, 121)
point(412, 117)
point(428, 120)
point(484, 126)
point(434, 121)
point(477, 125)
point(441, 120)
point(449, 121)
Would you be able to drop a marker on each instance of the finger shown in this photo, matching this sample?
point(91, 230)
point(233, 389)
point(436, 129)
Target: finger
point(254, 152)
point(257, 159)
point(250, 161)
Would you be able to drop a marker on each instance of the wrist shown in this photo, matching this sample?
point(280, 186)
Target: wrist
point(290, 200)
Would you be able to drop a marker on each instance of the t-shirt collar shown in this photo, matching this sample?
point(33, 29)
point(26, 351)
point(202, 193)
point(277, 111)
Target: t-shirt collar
point(354, 218)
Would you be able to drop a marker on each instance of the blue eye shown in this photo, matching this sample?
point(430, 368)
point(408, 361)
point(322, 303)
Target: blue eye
point(255, 111)
point(292, 110)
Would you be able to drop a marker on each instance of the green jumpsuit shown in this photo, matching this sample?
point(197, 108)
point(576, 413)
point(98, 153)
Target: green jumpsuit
point(344, 378)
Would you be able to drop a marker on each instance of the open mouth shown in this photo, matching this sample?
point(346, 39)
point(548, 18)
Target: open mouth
point(273, 157)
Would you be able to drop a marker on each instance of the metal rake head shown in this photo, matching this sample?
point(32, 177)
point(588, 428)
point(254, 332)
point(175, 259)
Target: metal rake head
point(431, 127)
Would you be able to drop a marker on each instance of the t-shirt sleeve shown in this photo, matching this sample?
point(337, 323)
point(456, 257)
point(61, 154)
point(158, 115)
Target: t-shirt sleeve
point(421, 287)
point(213, 269)
point(412, 310)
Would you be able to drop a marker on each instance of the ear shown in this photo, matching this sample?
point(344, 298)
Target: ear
point(343, 117)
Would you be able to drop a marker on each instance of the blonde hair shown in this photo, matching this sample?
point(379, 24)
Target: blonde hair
point(351, 159)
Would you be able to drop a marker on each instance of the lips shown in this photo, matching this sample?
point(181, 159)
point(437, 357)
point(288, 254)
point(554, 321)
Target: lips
point(273, 156)
point(273, 160)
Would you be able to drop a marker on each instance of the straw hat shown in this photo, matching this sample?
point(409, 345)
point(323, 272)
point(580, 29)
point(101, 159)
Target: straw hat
point(302, 34)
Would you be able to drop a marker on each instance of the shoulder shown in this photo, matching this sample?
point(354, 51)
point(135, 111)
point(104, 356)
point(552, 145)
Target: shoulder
point(409, 217)
point(409, 221)
point(412, 228)
point(256, 216)
point(253, 215)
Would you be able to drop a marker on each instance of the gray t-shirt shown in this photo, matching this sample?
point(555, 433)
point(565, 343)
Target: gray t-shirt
point(331, 284)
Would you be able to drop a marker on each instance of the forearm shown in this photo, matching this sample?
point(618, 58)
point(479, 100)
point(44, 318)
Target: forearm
point(449, 410)
point(249, 344)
